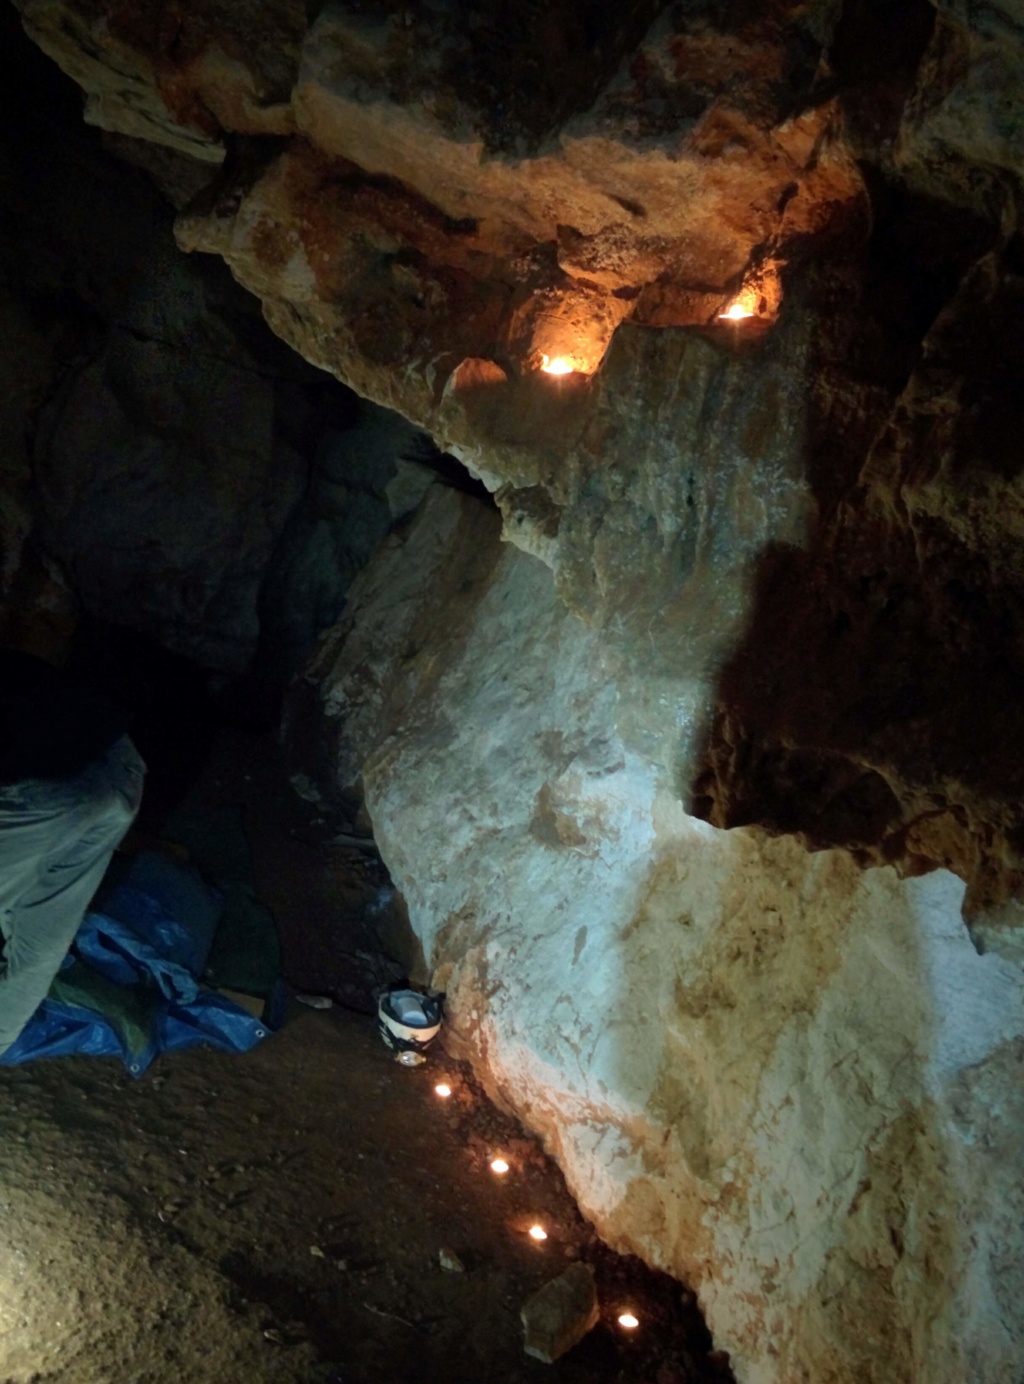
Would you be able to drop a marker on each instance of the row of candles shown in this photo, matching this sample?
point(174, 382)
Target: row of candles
point(499, 1166)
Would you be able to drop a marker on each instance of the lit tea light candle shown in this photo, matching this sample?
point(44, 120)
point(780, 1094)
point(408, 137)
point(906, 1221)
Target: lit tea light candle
point(556, 365)
point(736, 313)
point(443, 1090)
point(628, 1322)
point(537, 1232)
point(498, 1165)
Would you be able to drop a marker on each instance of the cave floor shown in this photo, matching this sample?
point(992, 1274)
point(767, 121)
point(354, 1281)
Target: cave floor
point(280, 1215)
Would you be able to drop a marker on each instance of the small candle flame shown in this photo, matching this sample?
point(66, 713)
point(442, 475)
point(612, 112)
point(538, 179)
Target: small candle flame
point(443, 1090)
point(499, 1166)
point(736, 312)
point(628, 1322)
point(556, 365)
point(537, 1232)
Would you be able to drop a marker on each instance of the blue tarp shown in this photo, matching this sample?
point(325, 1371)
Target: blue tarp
point(131, 986)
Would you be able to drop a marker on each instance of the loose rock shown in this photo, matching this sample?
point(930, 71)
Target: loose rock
point(560, 1314)
point(450, 1261)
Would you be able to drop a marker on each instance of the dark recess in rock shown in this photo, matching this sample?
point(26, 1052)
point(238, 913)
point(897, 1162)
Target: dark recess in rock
point(875, 701)
point(531, 65)
point(192, 478)
point(874, 56)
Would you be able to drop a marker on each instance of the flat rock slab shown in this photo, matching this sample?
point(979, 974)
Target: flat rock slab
point(560, 1314)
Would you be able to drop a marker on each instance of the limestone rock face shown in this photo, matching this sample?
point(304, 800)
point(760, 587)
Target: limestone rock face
point(434, 255)
point(176, 78)
point(609, 129)
point(790, 1080)
point(900, 735)
point(967, 108)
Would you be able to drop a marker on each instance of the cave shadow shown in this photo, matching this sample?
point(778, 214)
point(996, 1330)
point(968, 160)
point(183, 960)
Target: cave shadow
point(872, 703)
point(173, 718)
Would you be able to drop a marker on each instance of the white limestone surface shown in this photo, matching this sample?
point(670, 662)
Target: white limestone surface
point(792, 1082)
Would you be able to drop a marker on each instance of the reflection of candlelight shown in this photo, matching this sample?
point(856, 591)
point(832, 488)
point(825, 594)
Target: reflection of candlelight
point(498, 1165)
point(736, 312)
point(442, 1090)
point(537, 1232)
point(556, 365)
point(628, 1321)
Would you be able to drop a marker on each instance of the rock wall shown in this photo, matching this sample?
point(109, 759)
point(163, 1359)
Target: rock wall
point(167, 465)
point(789, 1080)
point(404, 243)
point(165, 477)
point(684, 784)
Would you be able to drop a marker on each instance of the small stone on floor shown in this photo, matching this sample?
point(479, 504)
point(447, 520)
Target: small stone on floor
point(560, 1314)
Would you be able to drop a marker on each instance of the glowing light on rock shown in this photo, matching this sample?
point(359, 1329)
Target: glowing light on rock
point(443, 1090)
point(537, 1232)
point(736, 312)
point(556, 365)
point(628, 1322)
point(499, 1166)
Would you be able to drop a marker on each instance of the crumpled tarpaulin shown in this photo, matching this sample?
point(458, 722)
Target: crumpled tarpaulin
point(132, 983)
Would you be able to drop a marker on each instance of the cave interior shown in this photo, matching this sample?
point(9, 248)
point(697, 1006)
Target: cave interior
point(547, 483)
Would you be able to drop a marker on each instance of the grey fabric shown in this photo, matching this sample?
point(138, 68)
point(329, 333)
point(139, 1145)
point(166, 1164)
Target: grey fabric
point(56, 840)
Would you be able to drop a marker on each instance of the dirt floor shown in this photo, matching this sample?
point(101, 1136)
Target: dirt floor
point(288, 1214)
